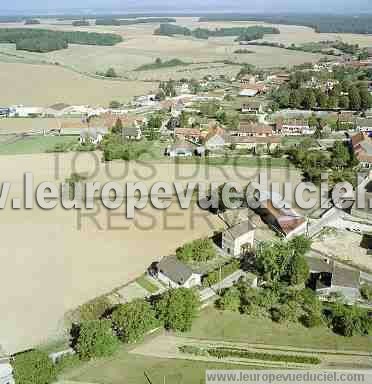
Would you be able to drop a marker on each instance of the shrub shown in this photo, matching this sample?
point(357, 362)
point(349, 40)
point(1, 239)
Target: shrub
point(222, 352)
point(192, 350)
point(111, 73)
point(311, 320)
point(366, 292)
point(199, 250)
point(96, 339)
point(33, 367)
point(177, 309)
point(41, 44)
point(133, 320)
point(94, 310)
point(230, 300)
point(226, 270)
point(67, 362)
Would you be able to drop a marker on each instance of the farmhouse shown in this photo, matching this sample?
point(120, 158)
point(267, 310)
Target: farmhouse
point(254, 107)
point(364, 125)
point(256, 143)
point(328, 277)
point(285, 221)
point(55, 110)
point(215, 142)
point(247, 128)
point(145, 101)
point(4, 112)
point(192, 134)
point(176, 274)
point(237, 239)
point(293, 127)
point(247, 81)
point(133, 133)
point(180, 150)
point(279, 78)
point(92, 135)
point(362, 147)
point(21, 111)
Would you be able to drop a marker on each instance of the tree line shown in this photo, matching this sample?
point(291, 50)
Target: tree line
point(344, 93)
point(243, 33)
point(324, 47)
point(27, 38)
point(321, 23)
point(101, 333)
point(133, 21)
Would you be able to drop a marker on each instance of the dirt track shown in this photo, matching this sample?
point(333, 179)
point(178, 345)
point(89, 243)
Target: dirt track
point(167, 346)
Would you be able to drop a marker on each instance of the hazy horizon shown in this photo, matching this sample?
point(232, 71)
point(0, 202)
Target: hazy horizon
point(152, 6)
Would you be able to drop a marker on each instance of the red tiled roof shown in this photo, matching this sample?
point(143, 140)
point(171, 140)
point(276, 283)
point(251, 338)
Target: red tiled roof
point(255, 129)
point(187, 132)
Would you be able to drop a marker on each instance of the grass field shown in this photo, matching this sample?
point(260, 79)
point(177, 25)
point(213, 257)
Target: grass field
point(130, 368)
point(238, 161)
point(38, 144)
point(229, 326)
point(145, 283)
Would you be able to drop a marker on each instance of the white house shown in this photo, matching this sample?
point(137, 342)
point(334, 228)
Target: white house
point(6, 374)
point(248, 92)
point(92, 135)
point(22, 111)
point(6, 370)
point(237, 238)
point(176, 274)
point(180, 150)
point(215, 142)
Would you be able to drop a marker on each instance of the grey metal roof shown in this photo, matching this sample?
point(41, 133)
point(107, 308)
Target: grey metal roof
point(130, 132)
point(319, 265)
point(344, 277)
point(240, 229)
point(175, 270)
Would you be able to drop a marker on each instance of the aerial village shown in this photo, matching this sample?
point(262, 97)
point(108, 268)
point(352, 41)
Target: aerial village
point(314, 118)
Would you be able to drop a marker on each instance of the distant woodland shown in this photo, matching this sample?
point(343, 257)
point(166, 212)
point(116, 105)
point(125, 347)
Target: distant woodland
point(42, 40)
point(361, 24)
point(116, 21)
point(243, 34)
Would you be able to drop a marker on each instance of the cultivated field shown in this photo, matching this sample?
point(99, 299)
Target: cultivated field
point(140, 47)
point(55, 260)
point(43, 85)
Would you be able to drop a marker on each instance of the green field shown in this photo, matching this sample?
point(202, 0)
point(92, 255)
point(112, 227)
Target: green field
point(39, 144)
point(238, 161)
point(228, 326)
point(145, 283)
point(130, 368)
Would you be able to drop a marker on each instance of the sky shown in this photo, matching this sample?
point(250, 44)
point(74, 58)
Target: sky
point(280, 6)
